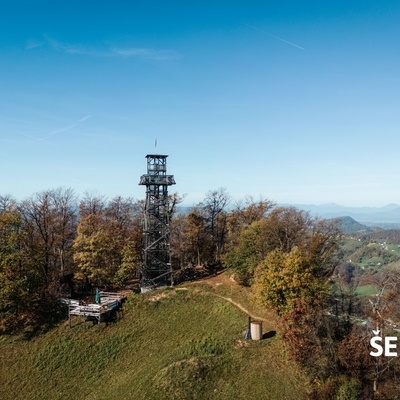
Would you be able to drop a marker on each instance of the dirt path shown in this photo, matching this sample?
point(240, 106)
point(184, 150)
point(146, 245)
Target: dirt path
point(223, 279)
point(240, 307)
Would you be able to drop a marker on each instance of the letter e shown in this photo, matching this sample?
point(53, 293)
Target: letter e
point(389, 346)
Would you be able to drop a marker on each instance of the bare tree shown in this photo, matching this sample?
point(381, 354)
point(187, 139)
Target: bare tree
point(92, 203)
point(51, 217)
point(7, 203)
point(214, 208)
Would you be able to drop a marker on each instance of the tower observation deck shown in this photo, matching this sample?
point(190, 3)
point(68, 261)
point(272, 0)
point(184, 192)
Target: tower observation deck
point(156, 269)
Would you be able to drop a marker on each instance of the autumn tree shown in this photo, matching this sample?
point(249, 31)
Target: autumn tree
point(108, 241)
point(203, 235)
point(250, 250)
point(244, 213)
point(128, 216)
point(283, 229)
point(283, 278)
point(287, 227)
point(198, 243)
point(17, 291)
point(354, 356)
point(94, 250)
point(35, 252)
point(293, 285)
point(50, 219)
point(179, 242)
point(383, 309)
point(288, 257)
point(173, 200)
point(199, 236)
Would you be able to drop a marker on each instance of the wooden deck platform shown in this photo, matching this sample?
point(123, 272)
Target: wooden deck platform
point(109, 303)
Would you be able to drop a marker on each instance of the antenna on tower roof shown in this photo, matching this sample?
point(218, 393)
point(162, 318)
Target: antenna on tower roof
point(155, 144)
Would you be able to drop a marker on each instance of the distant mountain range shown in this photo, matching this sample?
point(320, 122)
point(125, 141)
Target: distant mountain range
point(387, 217)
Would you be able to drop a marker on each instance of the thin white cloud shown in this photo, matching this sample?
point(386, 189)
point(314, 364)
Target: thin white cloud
point(33, 44)
point(70, 48)
point(134, 52)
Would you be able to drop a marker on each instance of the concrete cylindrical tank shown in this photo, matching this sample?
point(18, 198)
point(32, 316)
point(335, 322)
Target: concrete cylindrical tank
point(256, 330)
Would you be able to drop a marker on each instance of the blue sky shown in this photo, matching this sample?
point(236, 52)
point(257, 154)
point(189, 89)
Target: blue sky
point(295, 101)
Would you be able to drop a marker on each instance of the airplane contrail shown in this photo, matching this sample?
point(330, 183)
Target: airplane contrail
point(67, 128)
point(59, 130)
point(276, 37)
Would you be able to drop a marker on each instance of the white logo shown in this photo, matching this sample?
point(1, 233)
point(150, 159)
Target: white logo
point(383, 349)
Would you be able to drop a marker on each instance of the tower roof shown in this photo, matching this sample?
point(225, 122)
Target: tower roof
point(156, 156)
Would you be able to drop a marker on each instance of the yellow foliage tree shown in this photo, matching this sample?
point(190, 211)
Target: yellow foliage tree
point(282, 279)
point(103, 255)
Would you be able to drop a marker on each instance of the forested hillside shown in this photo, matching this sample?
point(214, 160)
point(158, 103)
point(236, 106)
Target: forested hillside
point(326, 290)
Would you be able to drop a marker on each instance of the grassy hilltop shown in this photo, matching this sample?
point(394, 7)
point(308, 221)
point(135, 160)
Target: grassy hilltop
point(181, 343)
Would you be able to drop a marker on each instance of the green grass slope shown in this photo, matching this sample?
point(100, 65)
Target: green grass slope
point(184, 343)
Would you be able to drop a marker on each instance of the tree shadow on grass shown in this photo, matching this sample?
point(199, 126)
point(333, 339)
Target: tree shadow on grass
point(269, 335)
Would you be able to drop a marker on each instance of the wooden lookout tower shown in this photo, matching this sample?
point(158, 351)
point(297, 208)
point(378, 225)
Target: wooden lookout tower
point(156, 269)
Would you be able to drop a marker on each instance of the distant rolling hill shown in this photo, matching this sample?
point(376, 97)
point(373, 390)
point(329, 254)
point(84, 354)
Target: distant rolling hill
point(349, 226)
point(387, 217)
